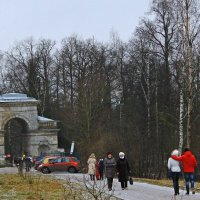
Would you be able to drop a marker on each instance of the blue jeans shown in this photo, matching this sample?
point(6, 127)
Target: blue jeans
point(189, 178)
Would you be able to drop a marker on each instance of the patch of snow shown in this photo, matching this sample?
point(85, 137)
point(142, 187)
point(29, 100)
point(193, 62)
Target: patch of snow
point(16, 97)
point(44, 119)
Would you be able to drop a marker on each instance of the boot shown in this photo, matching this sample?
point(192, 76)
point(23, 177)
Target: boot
point(187, 190)
point(193, 191)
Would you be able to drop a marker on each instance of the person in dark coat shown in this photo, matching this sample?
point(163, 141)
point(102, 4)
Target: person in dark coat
point(101, 168)
point(27, 161)
point(123, 170)
point(110, 169)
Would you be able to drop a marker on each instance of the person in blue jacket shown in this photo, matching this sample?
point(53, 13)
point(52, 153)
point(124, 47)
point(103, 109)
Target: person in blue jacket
point(101, 168)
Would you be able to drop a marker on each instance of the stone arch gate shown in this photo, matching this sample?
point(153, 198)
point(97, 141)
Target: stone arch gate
point(22, 130)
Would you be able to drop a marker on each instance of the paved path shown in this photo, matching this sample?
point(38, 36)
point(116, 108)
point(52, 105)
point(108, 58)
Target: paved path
point(137, 191)
point(8, 170)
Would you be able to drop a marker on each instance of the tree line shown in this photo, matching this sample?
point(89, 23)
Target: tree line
point(141, 96)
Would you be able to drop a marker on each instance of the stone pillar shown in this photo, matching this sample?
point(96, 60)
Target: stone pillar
point(45, 137)
point(2, 148)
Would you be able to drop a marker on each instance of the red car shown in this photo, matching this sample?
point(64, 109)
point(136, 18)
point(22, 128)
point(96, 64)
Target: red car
point(38, 163)
point(67, 164)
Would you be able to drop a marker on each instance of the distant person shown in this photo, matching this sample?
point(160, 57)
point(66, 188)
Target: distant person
point(91, 166)
point(23, 156)
point(97, 171)
point(20, 164)
point(123, 170)
point(28, 163)
point(174, 167)
point(101, 168)
point(16, 161)
point(110, 169)
point(189, 165)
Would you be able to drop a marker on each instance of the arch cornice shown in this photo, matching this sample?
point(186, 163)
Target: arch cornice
point(18, 104)
point(5, 121)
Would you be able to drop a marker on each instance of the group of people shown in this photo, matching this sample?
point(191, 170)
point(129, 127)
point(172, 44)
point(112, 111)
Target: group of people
point(110, 167)
point(24, 161)
point(189, 163)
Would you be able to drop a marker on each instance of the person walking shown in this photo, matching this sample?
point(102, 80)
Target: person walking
point(123, 170)
point(97, 171)
point(101, 168)
point(110, 169)
point(28, 163)
point(91, 166)
point(174, 167)
point(189, 165)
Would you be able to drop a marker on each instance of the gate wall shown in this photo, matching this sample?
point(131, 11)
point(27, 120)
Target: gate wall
point(14, 105)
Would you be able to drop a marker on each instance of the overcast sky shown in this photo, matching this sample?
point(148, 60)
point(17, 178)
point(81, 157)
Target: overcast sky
point(56, 19)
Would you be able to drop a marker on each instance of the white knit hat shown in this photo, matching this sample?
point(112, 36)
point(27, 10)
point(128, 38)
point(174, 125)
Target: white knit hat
point(175, 152)
point(121, 154)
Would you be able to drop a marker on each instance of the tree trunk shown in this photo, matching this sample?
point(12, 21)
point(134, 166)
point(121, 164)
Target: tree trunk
point(190, 92)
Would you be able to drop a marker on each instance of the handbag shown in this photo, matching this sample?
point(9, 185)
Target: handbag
point(131, 180)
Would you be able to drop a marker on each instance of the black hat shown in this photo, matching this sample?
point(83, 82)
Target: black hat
point(186, 149)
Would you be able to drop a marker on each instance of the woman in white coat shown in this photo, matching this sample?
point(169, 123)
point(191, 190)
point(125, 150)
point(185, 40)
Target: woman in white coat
point(175, 170)
point(91, 166)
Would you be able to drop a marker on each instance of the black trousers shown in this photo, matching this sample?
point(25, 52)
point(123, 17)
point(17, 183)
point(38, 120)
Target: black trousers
point(92, 177)
point(124, 184)
point(101, 175)
point(175, 178)
point(28, 167)
point(110, 182)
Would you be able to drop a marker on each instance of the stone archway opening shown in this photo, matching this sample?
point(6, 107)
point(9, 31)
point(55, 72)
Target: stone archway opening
point(43, 149)
point(14, 137)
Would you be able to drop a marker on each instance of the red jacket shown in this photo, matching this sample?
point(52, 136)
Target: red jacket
point(188, 160)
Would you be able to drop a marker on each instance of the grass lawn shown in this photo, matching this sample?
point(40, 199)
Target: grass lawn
point(14, 186)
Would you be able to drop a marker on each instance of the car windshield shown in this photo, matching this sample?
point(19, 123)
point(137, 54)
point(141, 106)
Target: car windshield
point(46, 160)
point(56, 160)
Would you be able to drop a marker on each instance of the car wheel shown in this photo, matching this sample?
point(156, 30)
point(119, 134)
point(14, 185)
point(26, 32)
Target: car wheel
point(72, 170)
point(45, 170)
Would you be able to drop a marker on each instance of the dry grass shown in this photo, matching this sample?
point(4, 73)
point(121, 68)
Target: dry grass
point(14, 186)
point(166, 182)
point(30, 186)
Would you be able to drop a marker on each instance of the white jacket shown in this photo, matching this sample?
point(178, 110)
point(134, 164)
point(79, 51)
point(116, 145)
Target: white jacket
point(174, 165)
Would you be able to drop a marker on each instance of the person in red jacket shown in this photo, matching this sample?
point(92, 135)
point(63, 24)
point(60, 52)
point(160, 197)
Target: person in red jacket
point(189, 165)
